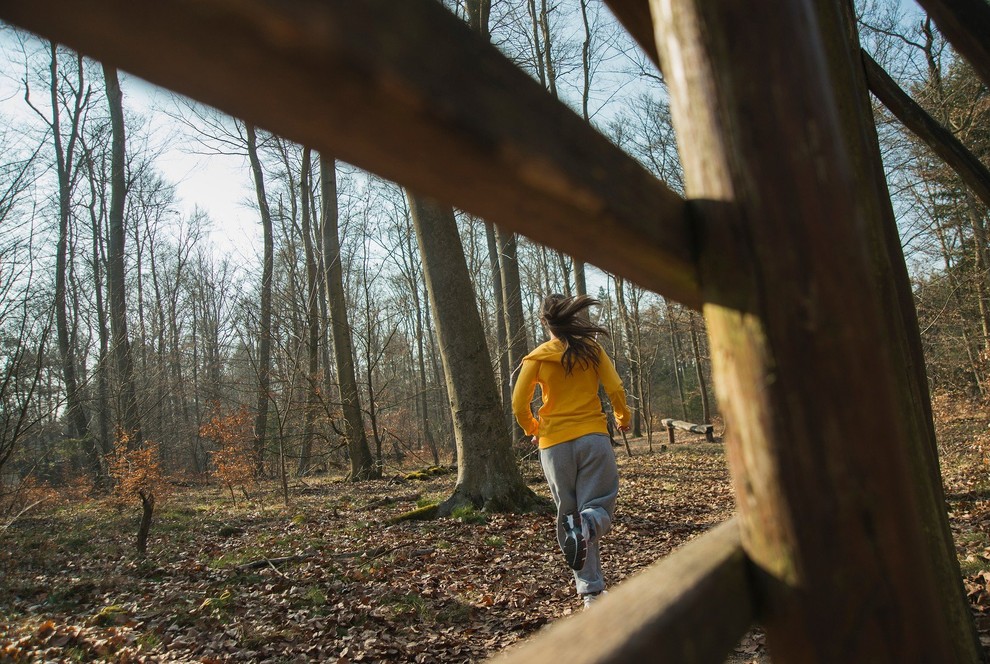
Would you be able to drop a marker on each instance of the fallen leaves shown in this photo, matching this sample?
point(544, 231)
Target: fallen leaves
point(332, 579)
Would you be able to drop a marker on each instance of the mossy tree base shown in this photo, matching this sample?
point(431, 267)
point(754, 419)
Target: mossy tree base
point(519, 500)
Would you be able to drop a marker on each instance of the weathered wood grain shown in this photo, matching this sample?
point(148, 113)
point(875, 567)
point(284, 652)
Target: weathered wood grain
point(405, 90)
point(691, 607)
point(806, 368)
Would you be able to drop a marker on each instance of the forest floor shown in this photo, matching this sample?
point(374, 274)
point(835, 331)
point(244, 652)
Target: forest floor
point(331, 578)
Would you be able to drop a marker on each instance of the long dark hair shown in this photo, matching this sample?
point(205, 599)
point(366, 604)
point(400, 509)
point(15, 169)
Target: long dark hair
point(567, 318)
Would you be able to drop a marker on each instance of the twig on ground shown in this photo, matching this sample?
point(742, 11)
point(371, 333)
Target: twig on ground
point(19, 515)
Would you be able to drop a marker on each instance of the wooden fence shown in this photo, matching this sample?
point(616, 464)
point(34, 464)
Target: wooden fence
point(786, 241)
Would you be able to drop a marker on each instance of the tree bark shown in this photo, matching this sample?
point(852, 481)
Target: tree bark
point(706, 412)
point(65, 166)
point(675, 353)
point(130, 418)
point(501, 338)
point(632, 353)
point(313, 319)
point(487, 475)
point(362, 463)
point(264, 365)
point(515, 323)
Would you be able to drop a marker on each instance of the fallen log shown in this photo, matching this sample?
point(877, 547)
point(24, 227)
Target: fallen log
point(706, 429)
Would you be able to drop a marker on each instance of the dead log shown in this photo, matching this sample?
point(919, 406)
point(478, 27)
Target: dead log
point(706, 429)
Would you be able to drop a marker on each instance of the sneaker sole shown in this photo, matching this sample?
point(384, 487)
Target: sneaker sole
point(575, 548)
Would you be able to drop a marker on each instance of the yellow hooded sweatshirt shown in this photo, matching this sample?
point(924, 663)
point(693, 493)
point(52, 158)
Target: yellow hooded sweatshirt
point(571, 407)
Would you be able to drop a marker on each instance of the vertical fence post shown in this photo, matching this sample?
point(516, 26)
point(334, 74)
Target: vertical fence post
point(803, 360)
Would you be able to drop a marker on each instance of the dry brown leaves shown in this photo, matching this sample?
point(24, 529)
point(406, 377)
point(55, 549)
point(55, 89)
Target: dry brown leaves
point(330, 579)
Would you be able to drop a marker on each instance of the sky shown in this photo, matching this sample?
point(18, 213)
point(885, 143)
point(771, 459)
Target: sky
point(220, 185)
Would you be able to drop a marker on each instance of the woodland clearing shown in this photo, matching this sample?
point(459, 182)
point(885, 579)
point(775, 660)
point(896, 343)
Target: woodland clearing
point(332, 578)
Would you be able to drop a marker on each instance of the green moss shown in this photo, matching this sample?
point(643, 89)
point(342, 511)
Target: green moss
point(467, 514)
point(424, 513)
point(113, 614)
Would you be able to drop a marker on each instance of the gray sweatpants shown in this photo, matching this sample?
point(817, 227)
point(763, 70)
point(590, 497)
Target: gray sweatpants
point(583, 478)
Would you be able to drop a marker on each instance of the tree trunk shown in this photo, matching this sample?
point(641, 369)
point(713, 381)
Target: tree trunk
point(632, 353)
point(362, 463)
point(313, 320)
point(130, 418)
point(102, 445)
point(706, 413)
point(828, 448)
point(487, 475)
point(515, 323)
point(370, 362)
point(675, 351)
point(264, 366)
point(65, 165)
point(980, 272)
point(501, 339)
point(147, 512)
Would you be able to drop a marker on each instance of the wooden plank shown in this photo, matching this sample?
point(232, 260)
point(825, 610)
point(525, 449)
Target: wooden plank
point(803, 361)
point(692, 606)
point(937, 137)
point(966, 24)
point(405, 90)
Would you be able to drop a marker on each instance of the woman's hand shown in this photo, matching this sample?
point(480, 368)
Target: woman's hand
point(536, 440)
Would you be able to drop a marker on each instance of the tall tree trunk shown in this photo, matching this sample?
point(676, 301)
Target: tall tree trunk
point(675, 351)
point(501, 339)
point(538, 61)
point(706, 413)
point(487, 475)
point(975, 368)
point(632, 353)
point(515, 323)
point(551, 71)
point(415, 283)
point(264, 366)
point(981, 272)
point(65, 165)
point(370, 362)
point(130, 418)
point(102, 444)
point(362, 463)
point(313, 318)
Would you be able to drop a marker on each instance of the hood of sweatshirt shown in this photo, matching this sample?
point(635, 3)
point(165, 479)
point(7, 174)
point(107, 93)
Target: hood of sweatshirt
point(551, 351)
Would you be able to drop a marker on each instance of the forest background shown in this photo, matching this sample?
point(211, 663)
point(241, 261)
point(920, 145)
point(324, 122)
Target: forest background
point(148, 335)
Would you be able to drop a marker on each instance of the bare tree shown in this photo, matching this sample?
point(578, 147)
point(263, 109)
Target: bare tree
point(487, 475)
point(265, 322)
point(362, 463)
point(65, 142)
point(121, 345)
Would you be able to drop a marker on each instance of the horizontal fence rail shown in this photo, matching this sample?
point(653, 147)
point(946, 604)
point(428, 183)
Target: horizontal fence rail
point(691, 607)
point(407, 91)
